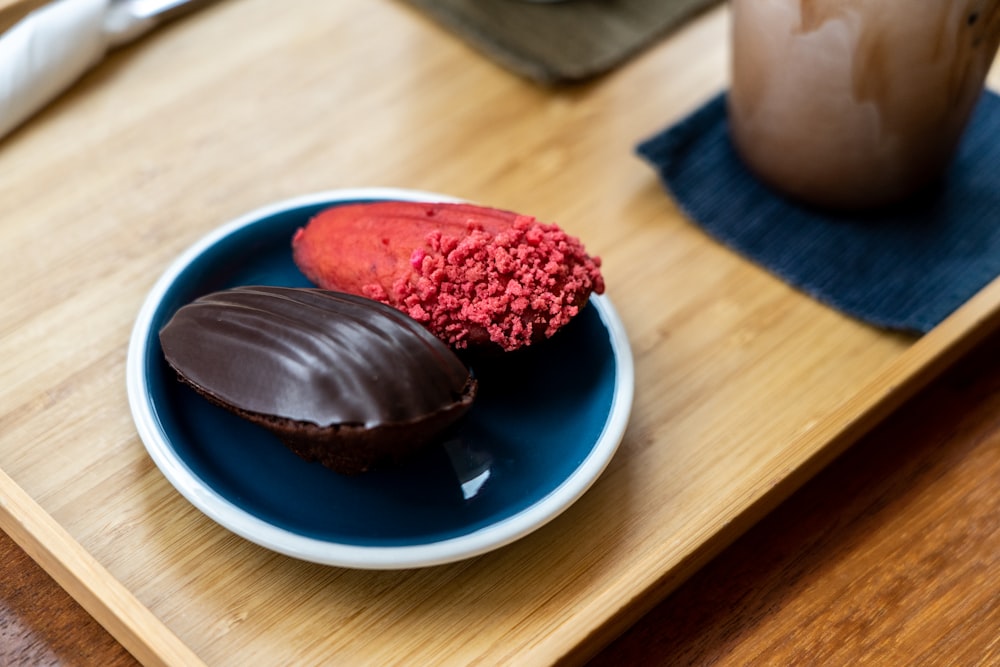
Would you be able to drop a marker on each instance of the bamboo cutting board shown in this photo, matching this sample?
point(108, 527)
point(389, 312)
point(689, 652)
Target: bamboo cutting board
point(744, 387)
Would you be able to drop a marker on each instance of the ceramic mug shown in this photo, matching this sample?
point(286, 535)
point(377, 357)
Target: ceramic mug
point(856, 103)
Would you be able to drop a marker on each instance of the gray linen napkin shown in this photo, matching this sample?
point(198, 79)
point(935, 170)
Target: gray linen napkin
point(560, 42)
point(904, 268)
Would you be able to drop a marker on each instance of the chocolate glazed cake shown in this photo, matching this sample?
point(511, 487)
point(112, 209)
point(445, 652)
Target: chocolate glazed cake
point(340, 379)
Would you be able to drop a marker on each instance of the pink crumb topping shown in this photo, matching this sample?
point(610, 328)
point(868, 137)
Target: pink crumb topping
point(527, 277)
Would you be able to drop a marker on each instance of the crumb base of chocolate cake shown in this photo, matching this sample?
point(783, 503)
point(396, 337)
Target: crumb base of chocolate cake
point(352, 449)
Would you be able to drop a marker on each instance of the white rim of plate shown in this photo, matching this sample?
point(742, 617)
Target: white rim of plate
point(260, 532)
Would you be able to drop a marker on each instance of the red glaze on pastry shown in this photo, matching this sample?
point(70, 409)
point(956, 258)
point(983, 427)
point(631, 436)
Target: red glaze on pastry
point(474, 276)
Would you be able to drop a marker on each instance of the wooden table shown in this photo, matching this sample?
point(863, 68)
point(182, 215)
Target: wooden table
point(886, 556)
point(745, 388)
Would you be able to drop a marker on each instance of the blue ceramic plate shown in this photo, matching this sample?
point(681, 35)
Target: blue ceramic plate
point(544, 426)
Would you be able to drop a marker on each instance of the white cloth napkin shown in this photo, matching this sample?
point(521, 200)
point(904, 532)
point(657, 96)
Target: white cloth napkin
point(53, 46)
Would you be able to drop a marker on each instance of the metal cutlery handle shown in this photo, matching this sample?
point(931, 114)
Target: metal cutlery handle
point(127, 19)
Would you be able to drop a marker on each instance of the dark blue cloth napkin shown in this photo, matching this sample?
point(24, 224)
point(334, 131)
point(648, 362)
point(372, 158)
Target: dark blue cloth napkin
point(905, 268)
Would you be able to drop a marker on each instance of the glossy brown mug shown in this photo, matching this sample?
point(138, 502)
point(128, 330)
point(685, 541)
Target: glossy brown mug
point(856, 103)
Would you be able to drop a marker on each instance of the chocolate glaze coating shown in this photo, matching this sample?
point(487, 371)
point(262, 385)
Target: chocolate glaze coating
point(338, 377)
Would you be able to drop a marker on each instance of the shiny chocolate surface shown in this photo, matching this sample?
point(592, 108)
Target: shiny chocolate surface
point(313, 356)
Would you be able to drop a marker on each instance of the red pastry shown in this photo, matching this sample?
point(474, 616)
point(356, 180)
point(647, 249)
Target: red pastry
point(474, 276)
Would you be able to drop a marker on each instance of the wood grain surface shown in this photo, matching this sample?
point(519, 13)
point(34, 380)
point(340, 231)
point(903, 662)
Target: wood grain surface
point(40, 624)
point(745, 388)
point(888, 556)
point(99, 593)
point(12, 11)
